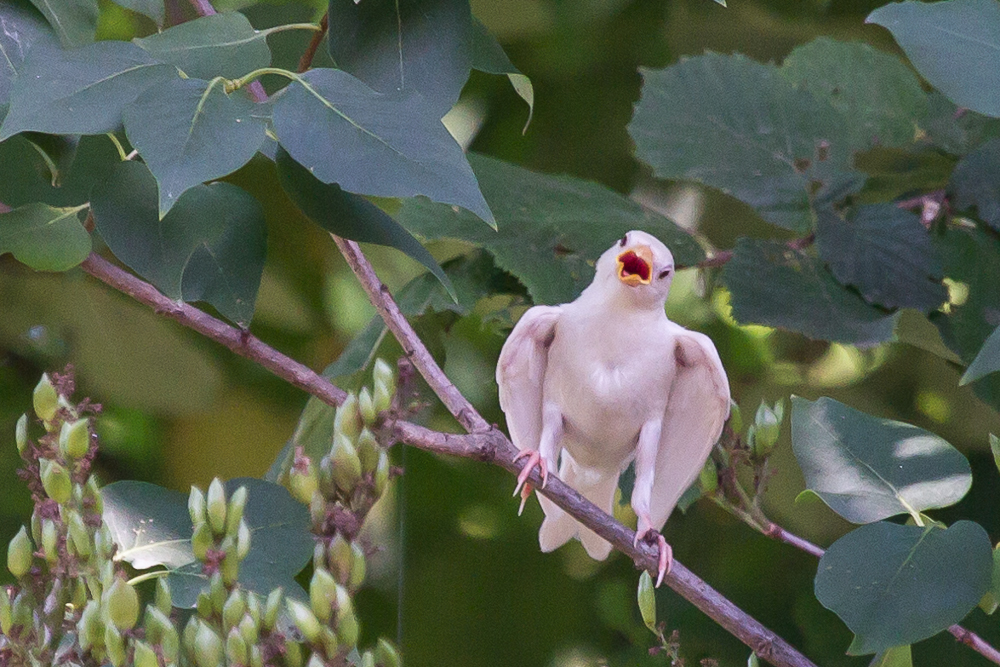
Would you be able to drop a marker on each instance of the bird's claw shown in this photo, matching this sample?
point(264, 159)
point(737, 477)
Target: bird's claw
point(534, 459)
point(665, 559)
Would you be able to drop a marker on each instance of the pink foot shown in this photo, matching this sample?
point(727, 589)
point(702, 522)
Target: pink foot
point(665, 561)
point(523, 487)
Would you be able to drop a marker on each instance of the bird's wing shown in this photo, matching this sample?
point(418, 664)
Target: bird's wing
point(521, 373)
point(697, 408)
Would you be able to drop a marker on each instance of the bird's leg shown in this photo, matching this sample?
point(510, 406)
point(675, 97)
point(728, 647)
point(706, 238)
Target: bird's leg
point(645, 467)
point(546, 454)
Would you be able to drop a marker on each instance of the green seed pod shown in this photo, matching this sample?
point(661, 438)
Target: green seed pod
point(92, 492)
point(234, 513)
point(366, 406)
point(89, 627)
point(305, 620)
point(144, 655)
point(242, 540)
point(232, 611)
point(735, 418)
point(50, 541)
point(122, 604)
point(55, 480)
point(79, 536)
point(217, 592)
point(155, 624)
point(347, 421)
point(767, 429)
point(215, 506)
point(348, 630)
point(196, 506)
point(322, 594)
point(368, 450)
point(386, 654)
point(256, 657)
point(647, 601)
point(190, 632)
point(346, 464)
point(45, 399)
point(317, 509)
point(6, 613)
point(107, 574)
point(237, 652)
point(230, 567)
point(340, 557)
point(74, 439)
point(202, 540)
point(163, 600)
point(382, 397)
point(254, 608)
point(248, 630)
point(382, 472)
point(329, 640)
point(272, 608)
point(344, 603)
point(367, 659)
point(104, 545)
point(293, 653)
point(303, 483)
point(114, 645)
point(19, 554)
point(21, 434)
point(208, 651)
point(204, 605)
point(383, 374)
point(708, 478)
point(358, 567)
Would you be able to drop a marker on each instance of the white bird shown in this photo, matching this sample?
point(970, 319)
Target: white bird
point(608, 379)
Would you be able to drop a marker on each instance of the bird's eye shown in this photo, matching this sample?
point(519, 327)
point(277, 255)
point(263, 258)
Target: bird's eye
point(623, 241)
point(664, 273)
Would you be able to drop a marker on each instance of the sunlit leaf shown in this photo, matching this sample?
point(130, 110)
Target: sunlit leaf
point(75, 21)
point(895, 585)
point(152, 8)
point(150, 524)
point(986, 362)
point(898, 656)
point(867, 469)
point(43, 237)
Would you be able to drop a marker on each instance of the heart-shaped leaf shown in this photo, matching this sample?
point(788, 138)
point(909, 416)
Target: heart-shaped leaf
point(867, 469)
point(43, 237)
point(21, 28)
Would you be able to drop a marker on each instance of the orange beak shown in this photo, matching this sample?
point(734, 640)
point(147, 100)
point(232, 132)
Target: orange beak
point(635, 266)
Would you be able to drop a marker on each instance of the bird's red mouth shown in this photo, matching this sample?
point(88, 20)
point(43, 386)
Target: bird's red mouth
point(635, 266)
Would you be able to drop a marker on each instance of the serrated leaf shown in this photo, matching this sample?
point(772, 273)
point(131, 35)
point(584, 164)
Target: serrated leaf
point(986, 362)
point(223, 45)
point(488, 56)
point(43, 237)
point(874, 89)
point(741, 127)
point(867, 469)
point(210, 247)
point(420, 46)
point(21, 28)
point(777, 286)
point(152, 8)
point(152, 527)
point(81, 91)
point(885, 252)
point(74, 21)
point(974, 183)
point(550, 228)
point(372, 144)
point(348, 215)
point(895, 585)
point(190, 131)
point(955, 45)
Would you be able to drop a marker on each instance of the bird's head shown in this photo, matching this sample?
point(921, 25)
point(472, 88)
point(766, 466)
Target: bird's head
point(638, 267)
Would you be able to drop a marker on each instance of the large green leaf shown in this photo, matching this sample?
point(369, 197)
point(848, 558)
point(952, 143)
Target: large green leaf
point(80, 91)
point(550, 228)
point(897, 656)
point(21, 28)
point(152, 527)
point(43, 237)
point(488, 56)
point(420, 46)
point(955, 45)
point(894, 585)
point(867, 469)
point(210, 247)
point(152, 8)
point(974, 183)
point(223, 45)
point(742, 127)
point(987, 360)
point(75, 21)
point(775, 285)
point(348, 215)
point(885, 252)
point(875, 90)
point(27, 175)
point(373, 144)
point(190, 131)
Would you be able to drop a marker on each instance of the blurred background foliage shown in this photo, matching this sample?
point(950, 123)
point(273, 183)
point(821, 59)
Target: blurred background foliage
point(459, 579)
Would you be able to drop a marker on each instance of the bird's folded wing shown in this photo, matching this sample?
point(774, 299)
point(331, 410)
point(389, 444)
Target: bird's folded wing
point(697, 408)
point(521, 373)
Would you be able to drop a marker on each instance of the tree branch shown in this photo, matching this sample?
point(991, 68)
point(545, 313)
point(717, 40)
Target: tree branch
point(305, 62)
point(485, 444)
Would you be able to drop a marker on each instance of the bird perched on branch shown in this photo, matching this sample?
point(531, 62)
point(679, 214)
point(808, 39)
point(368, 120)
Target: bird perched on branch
point(592, 385)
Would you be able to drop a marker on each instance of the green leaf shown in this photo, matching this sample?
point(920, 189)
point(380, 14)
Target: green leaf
point(82, 91)
point(27, 176)
point(75, 21)
point(986, 362)
point(152, 527)
point(875, 90)
point(488, 56)
point(777, 286)
point(210, 247)
point(743, 128)
point(885, 252)
point(373, 144)
point(21, 28)
point(151, 8)
point(550, 228)
point(867, 469)
point(895, 585)
point(974, 183)
point(43, 237)
point(647, 600)
point(955, 45)
point(190, 131)
point(349, 215)
point(420, 46)
point(995, 448)
point(991, 600)
point(898, 656)
point(223, 45)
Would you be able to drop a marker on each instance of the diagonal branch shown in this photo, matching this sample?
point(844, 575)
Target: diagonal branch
point(485, 444)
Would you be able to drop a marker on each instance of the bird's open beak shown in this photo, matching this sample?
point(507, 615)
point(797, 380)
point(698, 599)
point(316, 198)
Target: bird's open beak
point(635, 266)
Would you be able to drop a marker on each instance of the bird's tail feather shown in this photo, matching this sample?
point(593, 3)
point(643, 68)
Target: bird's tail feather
point(559, 527)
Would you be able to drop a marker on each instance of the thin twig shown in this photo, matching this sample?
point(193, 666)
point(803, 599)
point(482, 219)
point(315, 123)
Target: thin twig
point(305, 62)
point(487, 444)
point(205, 8)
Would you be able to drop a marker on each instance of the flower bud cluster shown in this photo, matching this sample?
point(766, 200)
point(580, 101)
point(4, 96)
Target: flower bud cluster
point(220, 537)
point(763, 433)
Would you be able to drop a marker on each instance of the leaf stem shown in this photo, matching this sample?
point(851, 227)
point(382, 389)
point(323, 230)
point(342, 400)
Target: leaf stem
point(156, 574)
point(118, 145)
point(236, 84)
